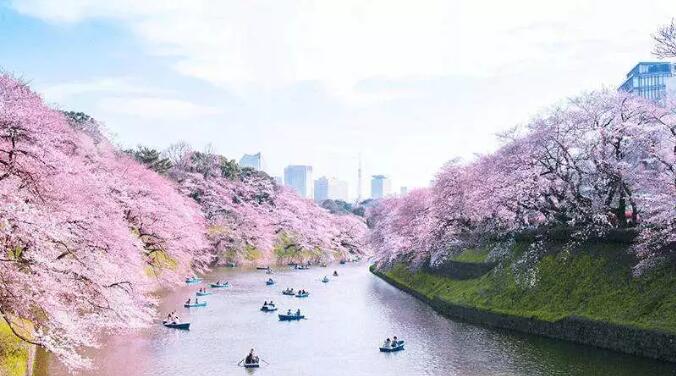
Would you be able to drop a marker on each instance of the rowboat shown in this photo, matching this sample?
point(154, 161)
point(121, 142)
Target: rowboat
point(291, 317)
point(325, 280)
point(269, 282)
point(219, 286)
point(193, 305)
point(263, 267)
point(193, 280)
point(203, 293)
point(288, 292)
point(181, 325)
point(303, 295)
point(397, 347)
point(268, 308)
point(252, 365)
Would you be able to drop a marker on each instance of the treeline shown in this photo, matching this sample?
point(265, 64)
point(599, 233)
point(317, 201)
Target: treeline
point(88, 231)
point(601, 161)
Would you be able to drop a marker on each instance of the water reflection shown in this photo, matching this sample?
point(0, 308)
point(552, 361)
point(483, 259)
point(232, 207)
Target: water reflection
point(347, 319)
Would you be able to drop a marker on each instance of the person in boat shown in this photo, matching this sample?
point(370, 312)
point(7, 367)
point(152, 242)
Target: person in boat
point(272, 304)
point(188, 301)
point(251, 358)
point(395, 341)
point(335, 273)
point(197, 301)
point(298, 312)
point(289, 313)
point(387, 343)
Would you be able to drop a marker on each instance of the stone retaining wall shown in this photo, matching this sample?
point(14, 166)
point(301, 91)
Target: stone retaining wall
point(626, 339)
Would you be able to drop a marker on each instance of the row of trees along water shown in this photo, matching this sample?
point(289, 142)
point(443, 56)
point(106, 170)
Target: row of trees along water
point(600, 161)
point(89, 231)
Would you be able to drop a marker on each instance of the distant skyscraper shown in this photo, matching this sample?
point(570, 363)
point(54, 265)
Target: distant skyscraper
point(359, 181)
point(330, 188)
point(300, 179)
point(651, 80)
point(254, 161)
point(380, 186)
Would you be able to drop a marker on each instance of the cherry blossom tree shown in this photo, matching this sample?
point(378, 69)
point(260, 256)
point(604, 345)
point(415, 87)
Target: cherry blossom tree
point(81, 228)
point(251, 218)
point(598, 162)
point(665, 41)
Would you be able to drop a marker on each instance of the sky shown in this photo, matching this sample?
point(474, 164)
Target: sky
point(408, 85)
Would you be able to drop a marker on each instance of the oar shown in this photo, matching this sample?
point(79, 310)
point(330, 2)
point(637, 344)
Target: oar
point(263, 360)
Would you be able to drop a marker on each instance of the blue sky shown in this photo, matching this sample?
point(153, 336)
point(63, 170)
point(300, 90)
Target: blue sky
point(409, 85)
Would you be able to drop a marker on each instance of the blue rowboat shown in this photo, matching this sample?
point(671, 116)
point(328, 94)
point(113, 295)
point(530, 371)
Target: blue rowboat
point(305, 295)
point(392, 348)
point(288, 292)
point(193, 305)
point(325, 280)
point(193, 280)
point(269, 282)
point(181, 325)
point(268, 308)
point(217, 286)
point(205, 293)
point(291, 317)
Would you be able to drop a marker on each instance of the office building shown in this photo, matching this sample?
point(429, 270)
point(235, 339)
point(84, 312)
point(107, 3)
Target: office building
point(299, 178)
point(380, 186)
point(651, 80)
point(254, 161)
point(330, 189)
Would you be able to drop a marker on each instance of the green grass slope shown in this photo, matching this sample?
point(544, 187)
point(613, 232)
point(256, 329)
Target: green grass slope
point(595, 283)
point(13, 352)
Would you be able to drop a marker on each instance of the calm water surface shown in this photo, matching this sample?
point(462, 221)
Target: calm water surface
point(347, 319)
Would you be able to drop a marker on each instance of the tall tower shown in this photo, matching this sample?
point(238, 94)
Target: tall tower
point(359, 180)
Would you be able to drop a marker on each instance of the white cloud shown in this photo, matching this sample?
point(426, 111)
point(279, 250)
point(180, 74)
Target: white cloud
point(59, 92)
point(155, 108)
point(339, 43)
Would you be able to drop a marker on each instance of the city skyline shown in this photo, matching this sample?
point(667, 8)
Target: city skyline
point(256, 161)
point(408, 107)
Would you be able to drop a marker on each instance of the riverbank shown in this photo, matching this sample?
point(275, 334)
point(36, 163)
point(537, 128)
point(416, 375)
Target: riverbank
point(588, 298)
point(15, 355)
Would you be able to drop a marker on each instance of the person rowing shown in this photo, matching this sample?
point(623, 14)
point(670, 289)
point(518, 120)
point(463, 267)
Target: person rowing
point(298, 312)
point(335, 273)
point(251, 358)
point(387, 343)
point(395, 342)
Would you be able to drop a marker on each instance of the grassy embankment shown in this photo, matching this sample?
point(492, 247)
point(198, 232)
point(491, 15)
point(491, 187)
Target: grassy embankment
point(13, 352)
point(594, 283)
